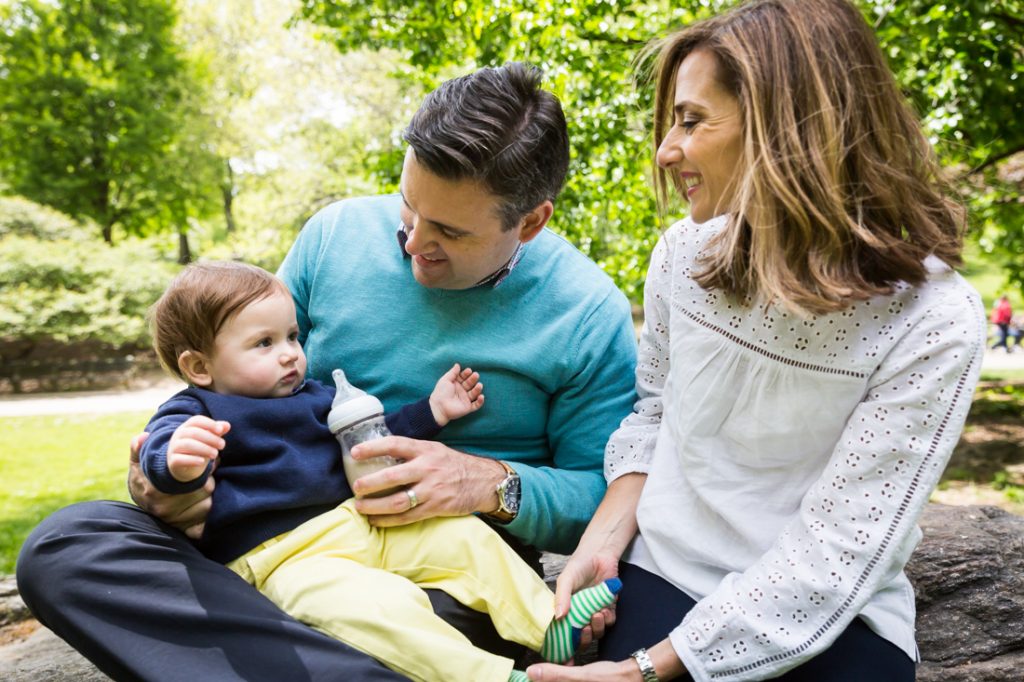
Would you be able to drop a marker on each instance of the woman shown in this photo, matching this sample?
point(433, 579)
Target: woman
point(807, 363)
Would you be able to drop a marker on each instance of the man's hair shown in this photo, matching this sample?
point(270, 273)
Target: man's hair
point(199, 301)
point(496, 126)
point(839, 194)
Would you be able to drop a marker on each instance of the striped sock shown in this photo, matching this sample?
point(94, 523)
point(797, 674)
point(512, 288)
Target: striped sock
point(563, 636)
point(518, 676)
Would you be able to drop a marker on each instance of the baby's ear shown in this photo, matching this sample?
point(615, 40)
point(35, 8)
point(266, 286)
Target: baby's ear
point(195, 367)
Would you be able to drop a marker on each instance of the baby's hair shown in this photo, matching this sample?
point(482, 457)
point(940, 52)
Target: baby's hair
point(197, 304)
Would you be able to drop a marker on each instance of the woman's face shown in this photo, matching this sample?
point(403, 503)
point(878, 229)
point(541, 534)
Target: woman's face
point(702, 150)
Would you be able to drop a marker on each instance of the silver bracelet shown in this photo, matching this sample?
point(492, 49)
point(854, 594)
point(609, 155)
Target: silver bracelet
point(646, 665)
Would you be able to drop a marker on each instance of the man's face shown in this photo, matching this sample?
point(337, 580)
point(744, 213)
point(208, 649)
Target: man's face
point(454, 229)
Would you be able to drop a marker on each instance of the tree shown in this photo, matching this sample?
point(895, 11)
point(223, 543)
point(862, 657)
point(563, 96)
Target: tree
point(586, 50)
point(90, 109)
point(960, 63)
point(286, 118)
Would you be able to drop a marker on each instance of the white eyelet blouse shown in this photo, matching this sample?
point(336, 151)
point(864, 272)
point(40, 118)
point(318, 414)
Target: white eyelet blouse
point(788, 458)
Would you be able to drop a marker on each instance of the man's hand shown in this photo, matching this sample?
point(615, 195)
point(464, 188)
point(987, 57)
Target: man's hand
point(185, 512)
point(445, 482)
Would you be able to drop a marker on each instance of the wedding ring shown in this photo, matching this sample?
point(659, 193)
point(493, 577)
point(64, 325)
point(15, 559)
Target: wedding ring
point(413, 500)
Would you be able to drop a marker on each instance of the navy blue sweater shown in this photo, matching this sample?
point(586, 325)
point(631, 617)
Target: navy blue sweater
point(280, 465)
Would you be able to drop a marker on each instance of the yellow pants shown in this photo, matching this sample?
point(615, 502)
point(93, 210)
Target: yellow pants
point(363, 586)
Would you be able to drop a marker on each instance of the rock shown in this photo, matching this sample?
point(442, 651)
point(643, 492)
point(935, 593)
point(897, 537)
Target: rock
point(44, 657)
point(968, 575)
point(12, 609)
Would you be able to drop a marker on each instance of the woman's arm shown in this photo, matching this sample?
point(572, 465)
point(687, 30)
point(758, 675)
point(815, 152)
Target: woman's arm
point(597, 556)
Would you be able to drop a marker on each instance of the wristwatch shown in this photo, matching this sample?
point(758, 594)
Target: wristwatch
point(646, 665)
point(509, 491)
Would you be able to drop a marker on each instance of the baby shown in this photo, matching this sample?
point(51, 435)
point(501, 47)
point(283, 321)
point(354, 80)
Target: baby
point(282, 515)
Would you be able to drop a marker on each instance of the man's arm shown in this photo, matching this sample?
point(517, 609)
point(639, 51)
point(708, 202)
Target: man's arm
point(559, 501)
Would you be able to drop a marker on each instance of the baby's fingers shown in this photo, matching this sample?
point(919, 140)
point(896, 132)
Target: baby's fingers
point(181, 461)
point(469, 379)
point(196, 447)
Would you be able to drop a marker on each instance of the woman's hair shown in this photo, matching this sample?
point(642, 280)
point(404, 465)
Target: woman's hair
point(199, 301)
point(839, 194)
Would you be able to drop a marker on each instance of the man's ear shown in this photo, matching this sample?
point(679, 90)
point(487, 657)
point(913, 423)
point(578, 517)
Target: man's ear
point(196, 368)
point(535, 220)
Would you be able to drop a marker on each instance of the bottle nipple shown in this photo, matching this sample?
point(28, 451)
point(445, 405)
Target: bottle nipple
point(345, 390)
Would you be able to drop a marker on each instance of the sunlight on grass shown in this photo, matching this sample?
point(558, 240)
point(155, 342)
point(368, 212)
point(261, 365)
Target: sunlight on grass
point(49, 462)
point(986, 275)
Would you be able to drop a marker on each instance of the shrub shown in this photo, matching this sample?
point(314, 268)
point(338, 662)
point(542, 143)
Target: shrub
point(24, 218)
point(58, 283)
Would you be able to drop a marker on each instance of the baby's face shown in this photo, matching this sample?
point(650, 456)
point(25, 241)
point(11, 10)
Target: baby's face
point(257, 353)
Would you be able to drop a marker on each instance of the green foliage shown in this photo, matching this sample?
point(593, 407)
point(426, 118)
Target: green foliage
point(962, 66)
point(51, 462)
point(66, 287)
point(24, 218)
point(960, 63)
point(91, 109)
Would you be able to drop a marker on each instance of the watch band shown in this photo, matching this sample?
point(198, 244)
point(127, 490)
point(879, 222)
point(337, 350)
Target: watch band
point(643, 660)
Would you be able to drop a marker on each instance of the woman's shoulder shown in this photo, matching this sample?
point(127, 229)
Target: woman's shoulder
point(946, 293)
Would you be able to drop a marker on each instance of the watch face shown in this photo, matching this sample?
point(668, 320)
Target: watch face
point(512, 494)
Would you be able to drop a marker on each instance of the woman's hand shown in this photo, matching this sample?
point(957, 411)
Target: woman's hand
point(666, 664)
point(185, 512)
point(445, 482)
point(583, 570)
point(623, 671)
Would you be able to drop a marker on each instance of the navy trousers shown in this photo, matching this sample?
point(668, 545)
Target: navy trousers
point(136, 598)
point(649, 607)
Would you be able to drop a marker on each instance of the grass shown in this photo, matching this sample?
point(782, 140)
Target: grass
point(1014, 375)
point(49, 462)
point(987, 277)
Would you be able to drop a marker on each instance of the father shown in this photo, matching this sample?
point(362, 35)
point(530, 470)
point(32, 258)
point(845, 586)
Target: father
point(473, 278)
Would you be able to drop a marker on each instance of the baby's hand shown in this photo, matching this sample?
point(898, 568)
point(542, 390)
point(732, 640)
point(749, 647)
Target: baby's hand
point(193, 445)
point(456, 394)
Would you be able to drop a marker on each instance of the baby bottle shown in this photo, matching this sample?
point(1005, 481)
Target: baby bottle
point(355, 418)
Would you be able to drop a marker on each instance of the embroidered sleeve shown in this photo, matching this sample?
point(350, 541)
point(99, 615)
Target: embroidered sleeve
point(856, 525)
point(631, 446)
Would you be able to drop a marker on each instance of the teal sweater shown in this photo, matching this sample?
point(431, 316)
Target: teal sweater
point(554, 345)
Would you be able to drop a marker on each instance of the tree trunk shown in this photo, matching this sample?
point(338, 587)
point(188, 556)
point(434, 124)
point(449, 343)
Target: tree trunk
point(184, 252)
point(227, 190)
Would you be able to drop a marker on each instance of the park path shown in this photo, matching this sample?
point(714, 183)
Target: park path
point(149, 397)
point(143, 399)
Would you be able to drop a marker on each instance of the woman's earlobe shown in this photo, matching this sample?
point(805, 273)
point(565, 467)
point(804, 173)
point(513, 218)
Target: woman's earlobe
point(195, 367)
